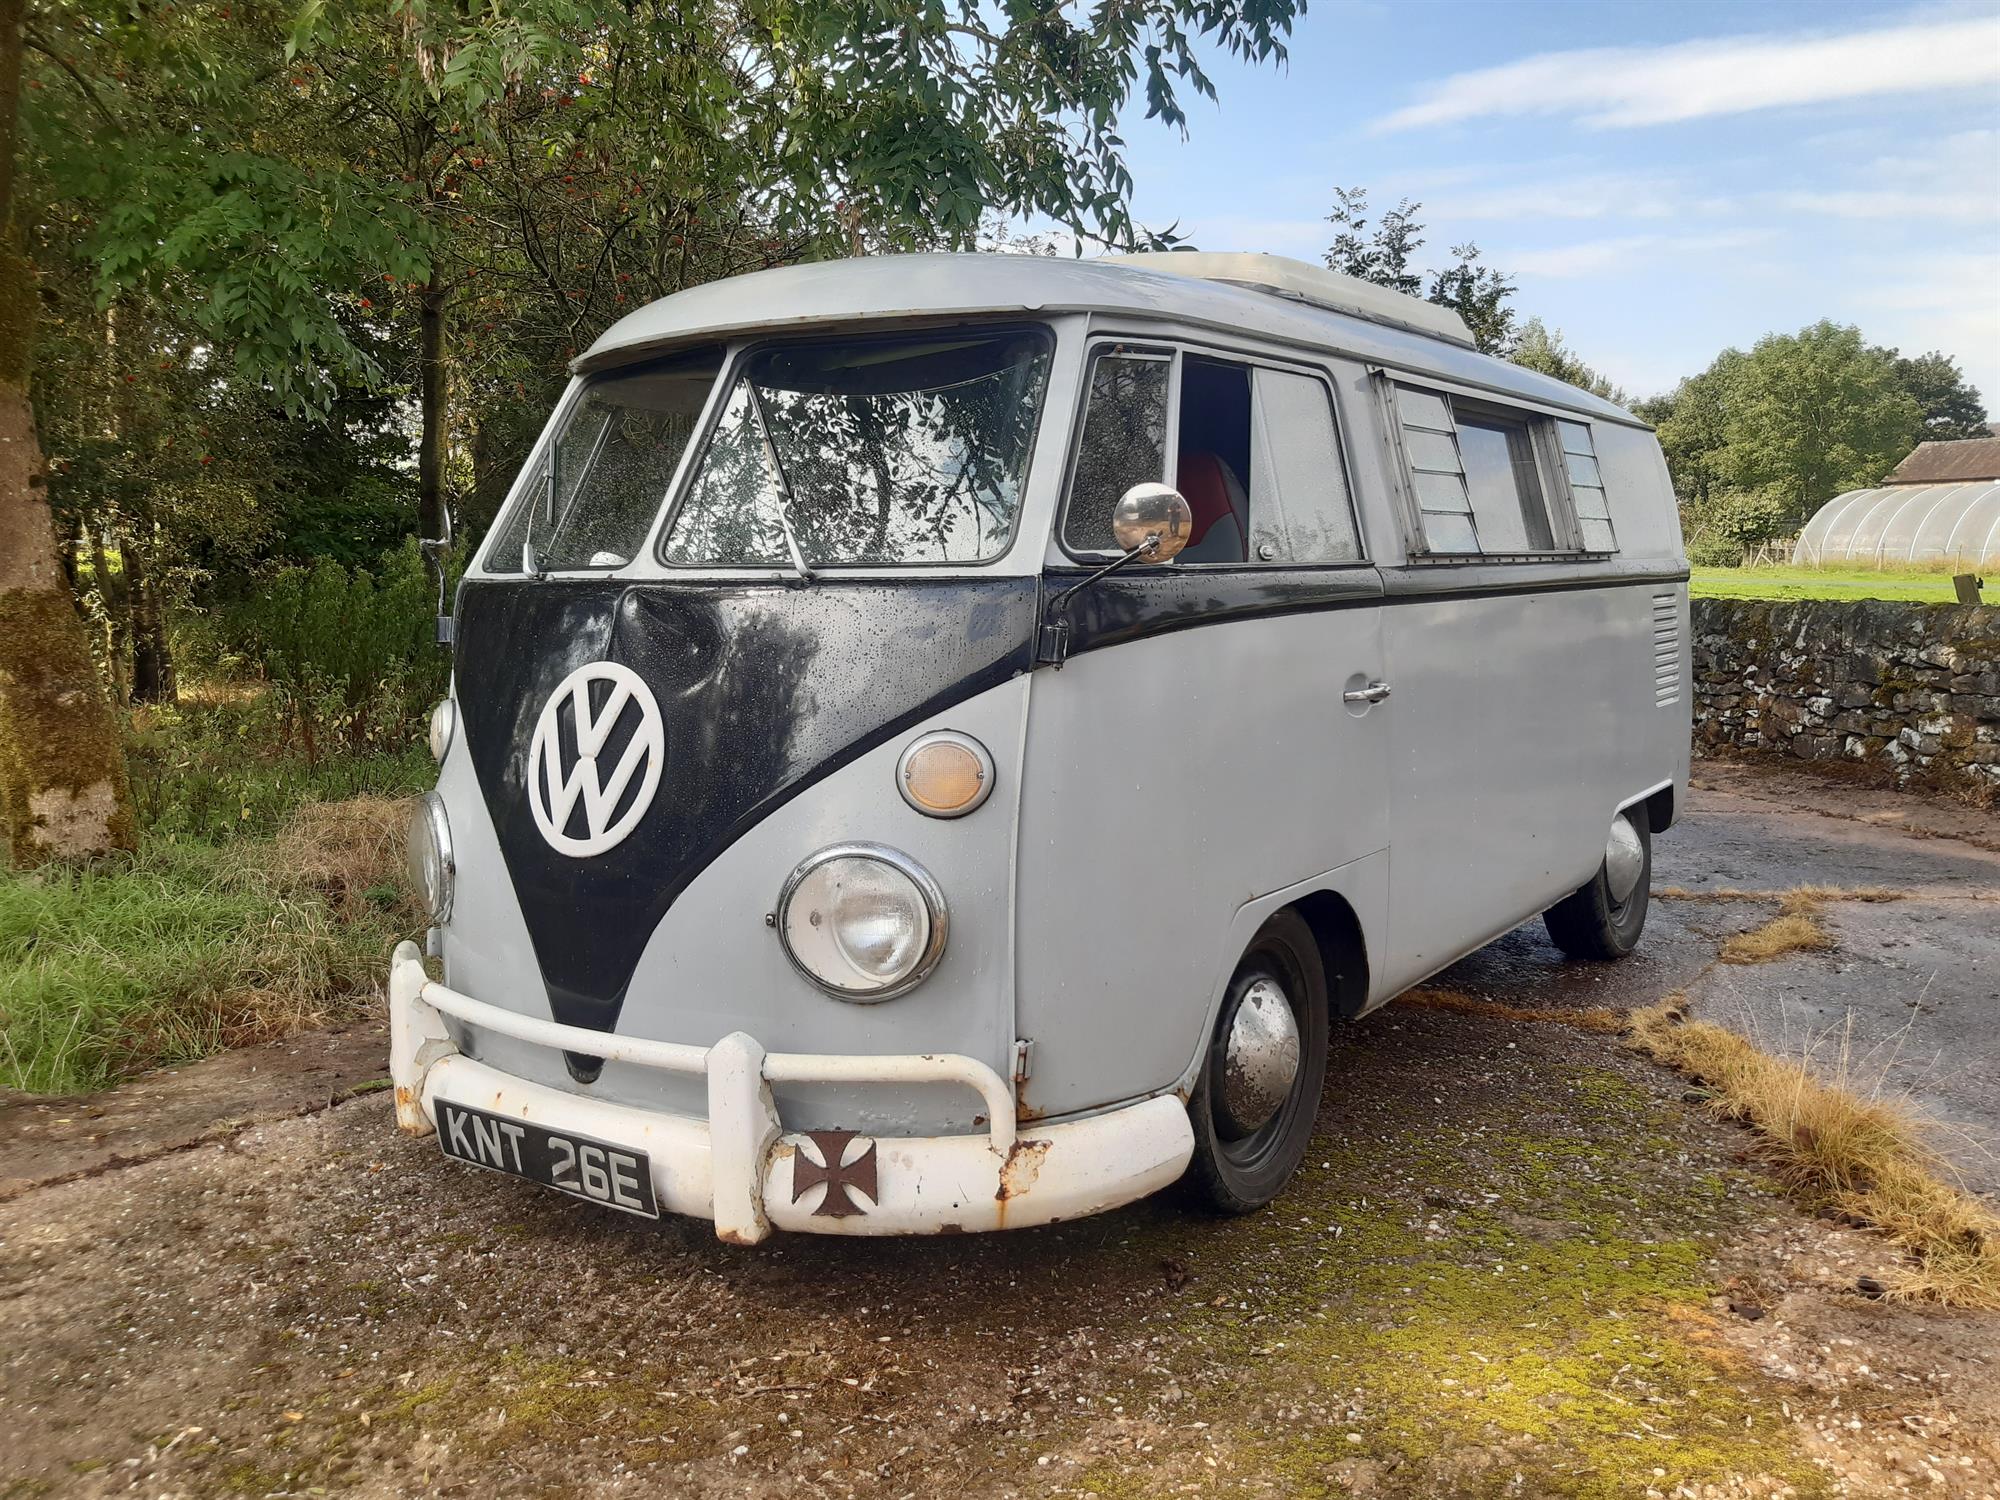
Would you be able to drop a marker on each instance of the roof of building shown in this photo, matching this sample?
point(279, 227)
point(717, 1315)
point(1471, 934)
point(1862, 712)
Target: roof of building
point(876, 288)
point(1949, 463)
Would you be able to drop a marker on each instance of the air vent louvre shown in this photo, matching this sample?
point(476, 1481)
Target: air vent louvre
point(1666, 650)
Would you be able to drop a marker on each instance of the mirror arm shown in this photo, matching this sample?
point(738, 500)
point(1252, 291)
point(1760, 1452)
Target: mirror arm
point(434, 550)
point(1054, 646)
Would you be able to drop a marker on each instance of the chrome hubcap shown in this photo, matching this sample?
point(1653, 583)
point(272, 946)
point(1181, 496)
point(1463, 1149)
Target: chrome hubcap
point(1260, 1057)
point(1624, 859)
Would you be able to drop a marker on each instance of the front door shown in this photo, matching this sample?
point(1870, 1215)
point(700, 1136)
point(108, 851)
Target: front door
point(1196, 750)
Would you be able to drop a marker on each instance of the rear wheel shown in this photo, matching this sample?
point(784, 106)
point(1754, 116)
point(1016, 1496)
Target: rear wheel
point(1603, 917)
point(1258, 1091)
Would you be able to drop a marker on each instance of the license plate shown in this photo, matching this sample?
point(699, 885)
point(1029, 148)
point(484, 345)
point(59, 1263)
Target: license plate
point(573, 1164)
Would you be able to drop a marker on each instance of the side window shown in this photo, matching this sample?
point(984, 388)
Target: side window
point(1123, 443)
point(1505, 483)
point(1256, 455)
point(1586, 488)
point(1295, 462)
point(1483, 478)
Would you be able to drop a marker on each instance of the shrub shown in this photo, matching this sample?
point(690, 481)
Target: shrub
point(225, 762)
point(351, 655)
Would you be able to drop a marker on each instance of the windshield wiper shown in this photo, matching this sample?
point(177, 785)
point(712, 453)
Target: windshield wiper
point(784, 484)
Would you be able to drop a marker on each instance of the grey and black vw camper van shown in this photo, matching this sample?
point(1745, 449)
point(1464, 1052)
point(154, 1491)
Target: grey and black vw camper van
point(936, 739)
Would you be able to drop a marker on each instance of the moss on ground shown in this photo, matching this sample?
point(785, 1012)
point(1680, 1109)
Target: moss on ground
point(1441, 1348)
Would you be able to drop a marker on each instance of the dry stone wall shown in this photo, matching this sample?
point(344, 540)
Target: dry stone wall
point(1910, 689)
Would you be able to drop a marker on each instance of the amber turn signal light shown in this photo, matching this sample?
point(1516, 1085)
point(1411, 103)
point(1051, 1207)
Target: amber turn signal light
point(945, 774)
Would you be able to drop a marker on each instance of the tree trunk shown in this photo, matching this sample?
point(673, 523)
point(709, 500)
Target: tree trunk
point(63, 792)
point(117, 612)
point(431, 396)
point(152, 662)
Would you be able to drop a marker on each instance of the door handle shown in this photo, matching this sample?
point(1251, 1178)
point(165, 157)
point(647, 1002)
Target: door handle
point(1375, 692)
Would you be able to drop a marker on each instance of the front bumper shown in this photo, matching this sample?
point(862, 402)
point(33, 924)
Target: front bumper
point(736, 1166)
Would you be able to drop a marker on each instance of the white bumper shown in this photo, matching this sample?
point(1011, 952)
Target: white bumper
point(736, 1166)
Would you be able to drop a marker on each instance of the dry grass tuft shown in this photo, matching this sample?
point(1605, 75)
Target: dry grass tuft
point(350, 853)
point(1790, 932)
point(1802, 898)
point(1795, 929)
point(1596, 1018)
point(1864, 1159)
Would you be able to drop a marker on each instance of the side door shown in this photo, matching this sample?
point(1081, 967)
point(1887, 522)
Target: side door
point(1194, 751)
point(1501, 650)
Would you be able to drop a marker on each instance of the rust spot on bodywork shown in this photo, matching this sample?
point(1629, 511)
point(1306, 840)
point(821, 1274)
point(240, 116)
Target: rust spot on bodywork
point(1023, 1166)
point(950, 1229)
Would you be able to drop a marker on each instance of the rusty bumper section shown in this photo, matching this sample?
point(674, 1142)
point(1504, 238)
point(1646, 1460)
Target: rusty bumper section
point(742, 1169)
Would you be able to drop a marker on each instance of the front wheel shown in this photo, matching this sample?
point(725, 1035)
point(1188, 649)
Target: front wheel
point(1257, 1095)
point(1603, 917)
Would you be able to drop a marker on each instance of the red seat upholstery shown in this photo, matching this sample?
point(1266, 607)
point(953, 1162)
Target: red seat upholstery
point(1205, 483)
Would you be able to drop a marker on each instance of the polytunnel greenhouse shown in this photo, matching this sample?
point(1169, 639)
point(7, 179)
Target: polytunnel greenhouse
point(1937, 525)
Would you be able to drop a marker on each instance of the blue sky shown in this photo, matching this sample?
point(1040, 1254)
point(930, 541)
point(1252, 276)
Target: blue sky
point(1664, 179)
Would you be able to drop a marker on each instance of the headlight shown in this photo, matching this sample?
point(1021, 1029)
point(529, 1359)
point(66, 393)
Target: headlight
point(444, 724)
point(431, 867)
point(945, 774)
point(862, 922)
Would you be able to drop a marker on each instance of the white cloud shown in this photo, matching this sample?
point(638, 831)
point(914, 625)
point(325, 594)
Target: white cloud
point(1964, 207)
point(1619, 253)
point(1628, 86)
point(1956, 178)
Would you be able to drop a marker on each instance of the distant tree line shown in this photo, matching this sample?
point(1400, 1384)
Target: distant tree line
point(1756, 442)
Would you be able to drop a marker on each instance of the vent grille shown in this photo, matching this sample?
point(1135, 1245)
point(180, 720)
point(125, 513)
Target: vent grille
point(1666, 650)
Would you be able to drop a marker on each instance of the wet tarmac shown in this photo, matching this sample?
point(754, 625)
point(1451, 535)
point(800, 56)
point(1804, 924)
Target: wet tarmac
point(1907, 1003)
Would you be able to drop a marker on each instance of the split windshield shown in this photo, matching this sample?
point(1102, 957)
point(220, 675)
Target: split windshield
point(892, 450)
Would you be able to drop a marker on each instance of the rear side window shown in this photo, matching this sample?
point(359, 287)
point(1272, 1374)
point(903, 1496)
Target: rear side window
point(1483, 479)
point(1504, 482)
point(1256, 454)
point(1586, 487)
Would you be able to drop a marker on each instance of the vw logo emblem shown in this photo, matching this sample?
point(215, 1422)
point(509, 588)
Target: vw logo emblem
point(554, 790)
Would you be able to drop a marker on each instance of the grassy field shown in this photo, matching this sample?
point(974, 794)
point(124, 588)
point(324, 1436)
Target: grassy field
point(1817, 583)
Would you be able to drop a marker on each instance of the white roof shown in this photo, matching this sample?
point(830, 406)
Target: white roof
point(1285, 277)
point(877, 288)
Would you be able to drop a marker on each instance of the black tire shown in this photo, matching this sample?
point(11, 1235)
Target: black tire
point(1590, 922)
point(1235, 1172)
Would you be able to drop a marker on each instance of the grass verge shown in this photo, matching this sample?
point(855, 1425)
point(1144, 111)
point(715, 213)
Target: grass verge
point(111, 969)
point(1818, 583)
point(1864, 1159)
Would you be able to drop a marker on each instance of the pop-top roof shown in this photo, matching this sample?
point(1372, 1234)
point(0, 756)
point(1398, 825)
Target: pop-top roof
point(1284, 277)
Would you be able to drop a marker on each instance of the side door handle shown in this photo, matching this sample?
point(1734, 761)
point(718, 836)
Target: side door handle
point(1375, 692)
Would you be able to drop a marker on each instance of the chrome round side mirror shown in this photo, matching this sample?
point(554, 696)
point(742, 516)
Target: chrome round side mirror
point(1148, 510)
